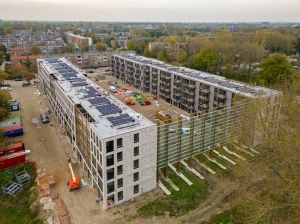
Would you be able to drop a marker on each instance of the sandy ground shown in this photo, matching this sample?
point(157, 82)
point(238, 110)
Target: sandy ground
point(48, 147)
point(149, 110)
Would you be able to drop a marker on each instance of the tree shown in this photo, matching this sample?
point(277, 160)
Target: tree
point(297, 46)
point(3, 48)
point(28, 76)
point(100, 46)
point(35, 50)
point(162, 55)
point(3, 76)
point(69, 48)
point(274, 69)
point(204, 60)
point(85, 48)
point(5, 97)
point(146, 52)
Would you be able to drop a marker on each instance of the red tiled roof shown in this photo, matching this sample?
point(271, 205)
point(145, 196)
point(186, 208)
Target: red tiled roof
point(19, 49)
point(18, 57)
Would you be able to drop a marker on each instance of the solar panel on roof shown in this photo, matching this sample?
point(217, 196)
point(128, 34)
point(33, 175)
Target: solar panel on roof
point(108, 109)
point(98, 100)
point(121, 119)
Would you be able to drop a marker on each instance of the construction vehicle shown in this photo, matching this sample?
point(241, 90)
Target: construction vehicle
point(74, 181)
point(129, 102)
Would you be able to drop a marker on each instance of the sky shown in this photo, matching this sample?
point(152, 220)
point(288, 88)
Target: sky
point(152, 10)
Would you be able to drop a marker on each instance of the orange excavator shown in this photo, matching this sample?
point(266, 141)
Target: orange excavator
point(74, 181)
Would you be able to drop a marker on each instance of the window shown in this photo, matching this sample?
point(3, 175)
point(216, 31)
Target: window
point(119, 169)
point(120, 195)
point(110, 187)
point(136, 164)
point(110, 160)
point(110, 174)
point(119, 156)
point(136, 138)
point(109, 146)
point(136, 176)
point(136, 189)
point(136, 151)
point(119, 143)
point(120, 182)
point(100, 171)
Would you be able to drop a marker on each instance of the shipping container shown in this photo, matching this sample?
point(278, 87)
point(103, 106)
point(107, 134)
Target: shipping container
point(13, 131)
point(12, 148)
point(11, 160)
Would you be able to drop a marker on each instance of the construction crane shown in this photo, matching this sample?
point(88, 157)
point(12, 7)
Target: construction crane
point(74, 181)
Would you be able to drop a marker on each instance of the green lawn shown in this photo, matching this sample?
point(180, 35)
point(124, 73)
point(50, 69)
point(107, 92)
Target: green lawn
point(17, 210)
point(179, 202)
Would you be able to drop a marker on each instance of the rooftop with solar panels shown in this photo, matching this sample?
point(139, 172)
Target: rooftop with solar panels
point(204, 77)
point(111, 116)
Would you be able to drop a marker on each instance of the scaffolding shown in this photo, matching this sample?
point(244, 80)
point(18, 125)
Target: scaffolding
point(191, 136)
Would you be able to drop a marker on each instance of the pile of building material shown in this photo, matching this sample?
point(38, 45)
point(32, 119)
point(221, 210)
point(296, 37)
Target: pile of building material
point(44, 182)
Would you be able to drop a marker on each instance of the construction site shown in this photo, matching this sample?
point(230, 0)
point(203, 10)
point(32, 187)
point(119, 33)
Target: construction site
point(111, 143)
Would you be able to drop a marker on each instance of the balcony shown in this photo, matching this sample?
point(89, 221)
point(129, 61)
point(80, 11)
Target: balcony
point(191, 100)
point(203, 97)
point(221, 96)
point(205, 90)
point(176, 81)
point(204, 106)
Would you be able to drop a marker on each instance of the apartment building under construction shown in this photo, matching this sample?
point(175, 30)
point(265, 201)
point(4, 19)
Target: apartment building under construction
point(191, 90)
point(116, 145)
point(121, 150)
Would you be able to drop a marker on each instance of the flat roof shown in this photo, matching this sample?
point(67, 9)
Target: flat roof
point(203, 77)
point(112, 117)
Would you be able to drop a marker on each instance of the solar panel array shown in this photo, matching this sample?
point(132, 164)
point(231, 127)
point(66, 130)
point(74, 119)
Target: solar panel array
point(99, 100)
point(120, 120)
point(108, 109)
point(192, 73)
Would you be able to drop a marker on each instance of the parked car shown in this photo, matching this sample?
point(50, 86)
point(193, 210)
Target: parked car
point(7, 88)
point(44, 117)
point(145, 102)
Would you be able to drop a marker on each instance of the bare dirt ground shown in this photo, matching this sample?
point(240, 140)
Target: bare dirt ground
point(48, 147)
point(149, 110)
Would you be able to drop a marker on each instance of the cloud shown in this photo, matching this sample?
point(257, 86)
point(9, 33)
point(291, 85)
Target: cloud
point(151, 10)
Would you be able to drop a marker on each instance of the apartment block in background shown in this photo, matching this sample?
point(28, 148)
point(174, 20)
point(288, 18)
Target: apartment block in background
point(191, 90)
point(78, 40)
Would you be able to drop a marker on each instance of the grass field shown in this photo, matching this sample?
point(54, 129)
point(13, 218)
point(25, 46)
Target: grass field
point(19, 209)
point(179, 202)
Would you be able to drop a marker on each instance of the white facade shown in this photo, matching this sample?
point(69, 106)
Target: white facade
point(121, 155)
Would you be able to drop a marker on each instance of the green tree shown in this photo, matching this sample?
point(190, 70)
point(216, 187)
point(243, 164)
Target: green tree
point(85, 47)
point(35, 50)
point(146, 52)
point(162, 55)
point(297, 46)
point(28, 76)
point(69, 48)
point(3, 76)
point(5, 97)
point(274, 69)
point(100, 46)
point(182, 57)
point(204, 60)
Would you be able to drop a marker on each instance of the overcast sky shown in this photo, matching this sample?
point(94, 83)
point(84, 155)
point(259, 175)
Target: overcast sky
point(152, 10)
